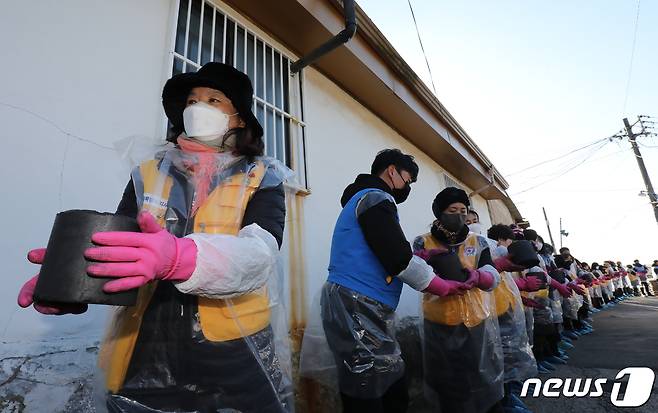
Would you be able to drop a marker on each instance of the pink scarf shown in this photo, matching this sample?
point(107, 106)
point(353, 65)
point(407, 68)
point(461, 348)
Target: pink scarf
point(202, 171)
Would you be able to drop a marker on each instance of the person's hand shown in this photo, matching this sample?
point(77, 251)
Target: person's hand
point(137, 258)
point(562, 289)
point(506, 264)
point(578, 289)
point(443, 288)
point(427, 254)
point(529, 302)
point(479, 278)
point(26, 294)
point(534, 282)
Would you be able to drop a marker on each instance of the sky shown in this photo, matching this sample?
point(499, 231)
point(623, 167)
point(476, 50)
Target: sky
point(531, 81)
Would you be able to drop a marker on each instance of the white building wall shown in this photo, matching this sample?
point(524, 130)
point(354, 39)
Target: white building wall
point(479, 204)
point(73, 70)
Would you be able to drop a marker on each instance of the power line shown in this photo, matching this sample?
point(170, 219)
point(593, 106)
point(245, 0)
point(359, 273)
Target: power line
point(566, 171)
point(427, 62)
point(559, 157)
point(630, 66)
point(587, 159)
point(568, 162)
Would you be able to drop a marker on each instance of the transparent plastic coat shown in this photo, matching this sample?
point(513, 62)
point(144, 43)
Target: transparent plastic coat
point(596, 291)
point(543, 315)
point(556, 306)
point(626, 281)
point(519, 361)
point(462, 349)
point(224, 348)
point(529, 325)
point(316, 361)
point(571, 305)
point(350, 343)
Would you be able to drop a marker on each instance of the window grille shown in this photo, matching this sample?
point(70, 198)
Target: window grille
point(205, 33)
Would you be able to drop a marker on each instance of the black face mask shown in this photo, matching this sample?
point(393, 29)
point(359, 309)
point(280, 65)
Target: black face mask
point(401, 194)
point(453, 222)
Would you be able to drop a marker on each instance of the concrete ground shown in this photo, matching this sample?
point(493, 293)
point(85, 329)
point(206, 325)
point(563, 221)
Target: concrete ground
point(624, 336)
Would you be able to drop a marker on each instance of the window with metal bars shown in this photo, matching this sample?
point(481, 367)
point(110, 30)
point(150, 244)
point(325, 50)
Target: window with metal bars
point(452, 183)
point(205, 33)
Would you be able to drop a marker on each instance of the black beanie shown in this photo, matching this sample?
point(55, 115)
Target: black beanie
point(447, 197)
point(530, 234)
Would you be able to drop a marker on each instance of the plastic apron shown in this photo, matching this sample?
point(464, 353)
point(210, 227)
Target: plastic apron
point(528, 313)
point(180, 352)
point(626, 281)
point(596, 291)
point(519, 361)
point(571, 305)
point(635, 281)
point(462, 351)
point(360, 333)
point(556, 306)
point(541, 316)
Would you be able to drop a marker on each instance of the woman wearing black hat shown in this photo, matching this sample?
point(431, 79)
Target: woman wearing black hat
point(203, 335)
point(462, 354)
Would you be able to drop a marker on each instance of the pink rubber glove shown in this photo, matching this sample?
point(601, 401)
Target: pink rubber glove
point(561, 288)
point(529, 283)
point(484, 280)
point(529, 302)
point(427, 254)
point(578, 289)
point(26, 294)
point(439, 286)
point(137, 258)
point(505, 264)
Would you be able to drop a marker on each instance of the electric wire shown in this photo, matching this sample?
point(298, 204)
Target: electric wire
point(630, 66)
point(427, 62)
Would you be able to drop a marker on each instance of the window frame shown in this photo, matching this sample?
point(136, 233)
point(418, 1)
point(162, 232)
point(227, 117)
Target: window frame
point(294, 147)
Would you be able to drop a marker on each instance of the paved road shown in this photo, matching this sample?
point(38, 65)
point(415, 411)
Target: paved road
point(624, 336)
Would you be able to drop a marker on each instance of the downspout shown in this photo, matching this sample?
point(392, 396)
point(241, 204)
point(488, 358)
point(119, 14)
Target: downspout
point(341, 38)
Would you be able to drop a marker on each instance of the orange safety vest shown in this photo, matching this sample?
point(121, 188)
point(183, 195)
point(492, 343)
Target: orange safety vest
point(470, 309)
point(221, 320)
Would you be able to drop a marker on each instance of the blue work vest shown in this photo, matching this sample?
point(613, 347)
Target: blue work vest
point(353, 264)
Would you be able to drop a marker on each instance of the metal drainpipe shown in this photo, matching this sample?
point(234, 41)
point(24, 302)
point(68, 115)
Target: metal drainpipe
point(341, 38)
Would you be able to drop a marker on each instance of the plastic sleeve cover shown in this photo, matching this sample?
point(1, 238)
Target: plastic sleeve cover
point(496, 275)
point(229, 266)
point(417, 275)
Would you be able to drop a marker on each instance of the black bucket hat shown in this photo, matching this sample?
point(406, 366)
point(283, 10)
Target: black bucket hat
point(225, 78)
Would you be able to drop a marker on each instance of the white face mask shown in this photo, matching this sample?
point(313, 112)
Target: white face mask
point(475, 228)
point(204, 122)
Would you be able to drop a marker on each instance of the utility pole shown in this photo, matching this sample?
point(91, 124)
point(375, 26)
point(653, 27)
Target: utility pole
point(562, 232)
point(640, 162)
point(548, 225)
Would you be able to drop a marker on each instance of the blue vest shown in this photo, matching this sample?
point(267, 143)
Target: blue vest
point(353, 264)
